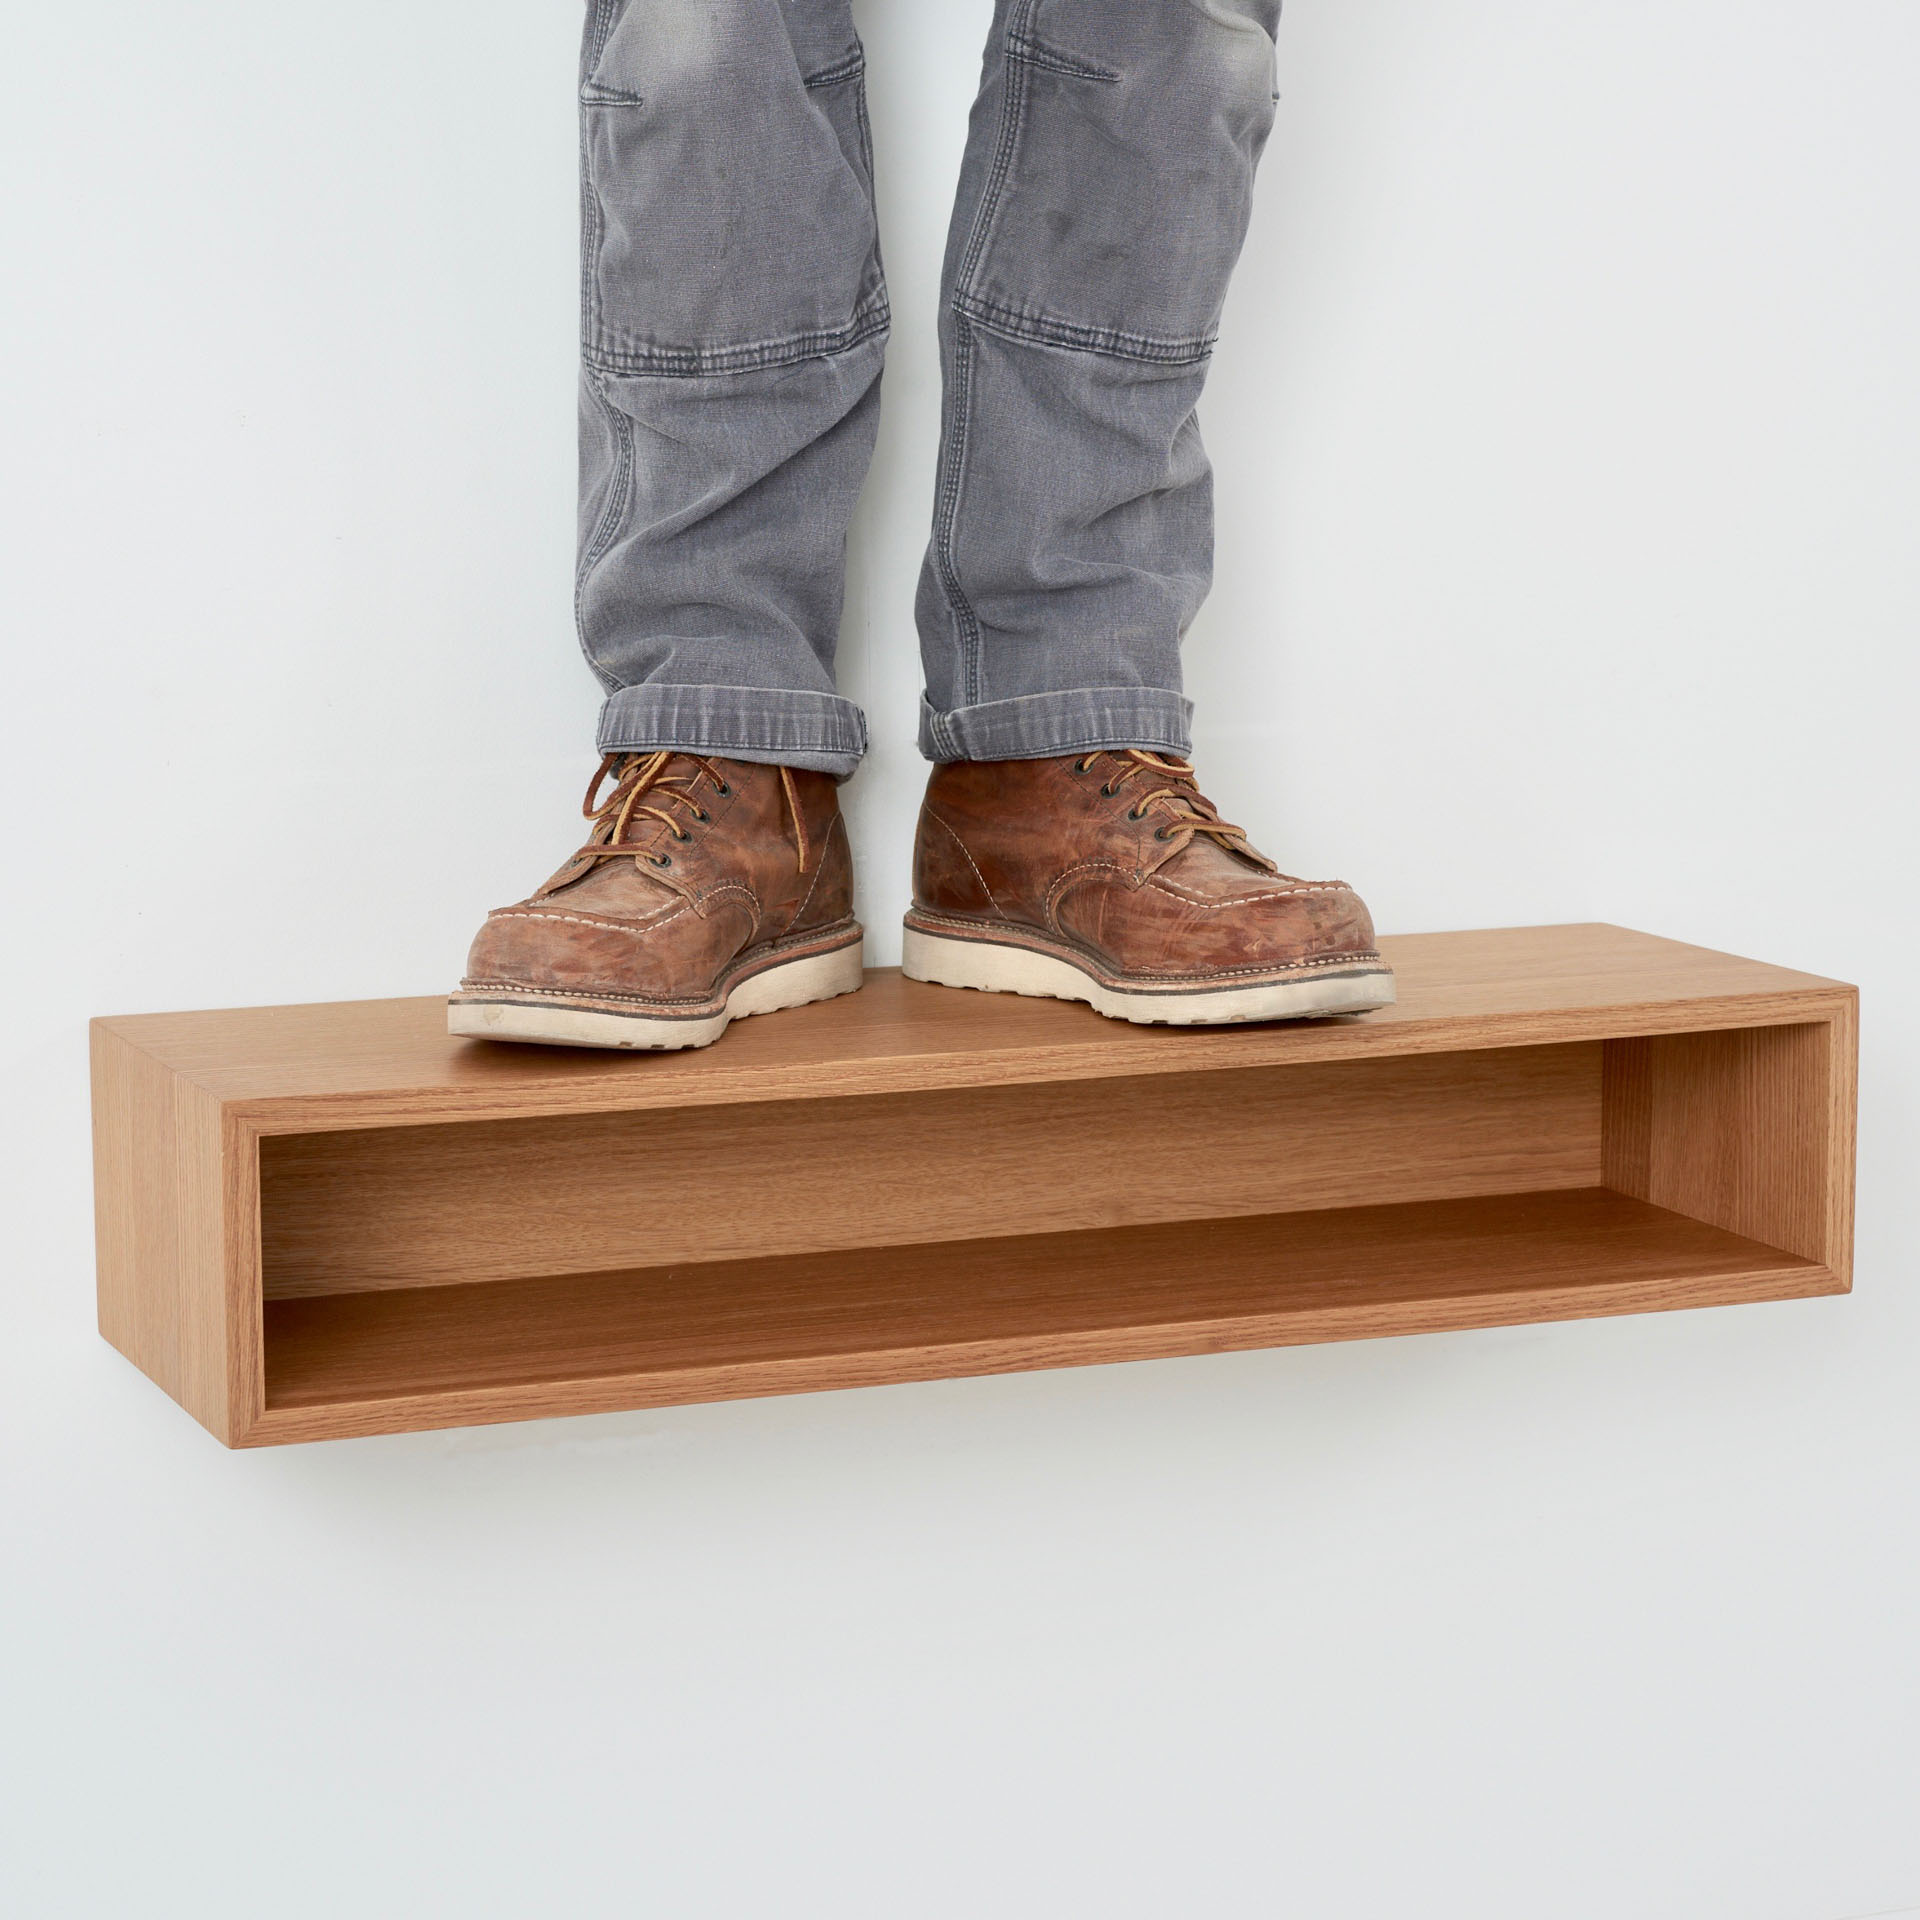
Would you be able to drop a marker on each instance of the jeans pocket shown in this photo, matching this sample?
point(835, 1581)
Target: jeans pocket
point(726, 201)
point(1118, 195)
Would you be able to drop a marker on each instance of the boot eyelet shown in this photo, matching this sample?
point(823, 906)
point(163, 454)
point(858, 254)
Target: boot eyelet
point(1162, 833)
point(661, 859)
point(1107, 792)
point(702, 815)
point(723, 789)
point(1082, 765)
point(1136, 813)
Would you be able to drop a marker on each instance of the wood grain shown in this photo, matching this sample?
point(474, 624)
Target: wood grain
point(583, 1193)
point(1744, 1129)
point(326, 1220)
point(363, 1363)
point(162, 1235)
point(390, 1062)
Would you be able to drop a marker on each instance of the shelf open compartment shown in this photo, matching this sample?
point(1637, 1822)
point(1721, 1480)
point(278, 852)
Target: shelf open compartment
point(718, 1330)
point(333, 1221)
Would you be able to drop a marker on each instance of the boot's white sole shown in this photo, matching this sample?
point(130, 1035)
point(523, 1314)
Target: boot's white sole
point(995, 966)
point(567, 1020)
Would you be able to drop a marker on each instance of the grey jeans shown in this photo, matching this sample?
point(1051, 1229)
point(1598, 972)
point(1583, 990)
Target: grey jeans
point(734, 317)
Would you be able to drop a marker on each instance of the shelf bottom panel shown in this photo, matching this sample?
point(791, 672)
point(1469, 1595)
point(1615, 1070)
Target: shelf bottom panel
point(575, 1343)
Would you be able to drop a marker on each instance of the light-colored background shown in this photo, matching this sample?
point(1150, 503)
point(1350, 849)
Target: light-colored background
point(1566, 424)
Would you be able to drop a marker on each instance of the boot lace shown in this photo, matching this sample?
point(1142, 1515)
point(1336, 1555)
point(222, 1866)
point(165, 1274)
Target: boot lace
point(649, 784)
point(1188, 811)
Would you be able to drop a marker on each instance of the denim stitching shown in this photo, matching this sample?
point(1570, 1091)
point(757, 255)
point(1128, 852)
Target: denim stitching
point(731, 747)
point(1023, 51)
point(1040, 330)
point(592, 95)
point(590, 239)
point(1015, 66)
point(845, 737)
point(605, 14)
point(855, 70)
point(875, 317)
point(1036, 53)
point(610, 519)
point(1013, 79)
point(1089, 732)
point(955, 452)
point(849, 68)
point(866, 155)
point(600, 25)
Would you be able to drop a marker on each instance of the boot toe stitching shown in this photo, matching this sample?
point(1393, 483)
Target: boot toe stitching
point(633, 927)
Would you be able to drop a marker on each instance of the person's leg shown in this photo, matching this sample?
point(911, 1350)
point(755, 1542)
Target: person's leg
point(1065, 848)
point(1103, 200)
point(733, 318)
point(733, 321)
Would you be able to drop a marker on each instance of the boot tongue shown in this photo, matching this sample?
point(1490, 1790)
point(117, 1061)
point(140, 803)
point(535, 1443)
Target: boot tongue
point(1203, 859)
point(643, 830)
point(627, 885)
point(1207, 856)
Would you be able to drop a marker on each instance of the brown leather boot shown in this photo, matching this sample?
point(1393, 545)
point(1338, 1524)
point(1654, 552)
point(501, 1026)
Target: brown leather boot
point(709, 889)
point(1107, 877)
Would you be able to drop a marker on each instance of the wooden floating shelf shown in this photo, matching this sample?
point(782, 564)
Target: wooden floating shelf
point(329, 1220)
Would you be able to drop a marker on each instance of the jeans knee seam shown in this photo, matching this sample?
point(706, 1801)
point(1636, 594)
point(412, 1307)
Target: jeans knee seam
point(1115, 343)
point(1037, 53)
point(850, 68)
point(873, 316)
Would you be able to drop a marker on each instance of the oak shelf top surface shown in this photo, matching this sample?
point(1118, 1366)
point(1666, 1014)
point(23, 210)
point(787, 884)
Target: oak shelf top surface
point(387, 1062)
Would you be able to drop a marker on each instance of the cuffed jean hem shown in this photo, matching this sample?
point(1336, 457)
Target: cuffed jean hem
point(786, 726)
point(1036, 726)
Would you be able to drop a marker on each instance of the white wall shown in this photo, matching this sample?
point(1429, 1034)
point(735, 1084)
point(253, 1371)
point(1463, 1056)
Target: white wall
point(1566, 424)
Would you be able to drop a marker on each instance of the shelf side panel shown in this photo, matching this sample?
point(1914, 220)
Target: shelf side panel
point(1748, 1129)
point(161, 1228)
